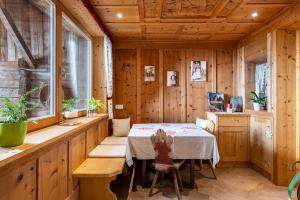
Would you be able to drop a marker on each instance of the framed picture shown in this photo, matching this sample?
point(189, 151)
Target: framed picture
point(149, 72)
point(215, 102)
point(237, 103)
point(171, 78)
point(198, 71)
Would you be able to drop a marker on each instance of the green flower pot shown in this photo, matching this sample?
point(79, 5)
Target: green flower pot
point(12, 134)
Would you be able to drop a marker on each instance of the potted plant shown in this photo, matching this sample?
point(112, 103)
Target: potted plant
point(13, 123)
point(93, 106)
point(68, 106)
point(296, 179)
point(258, 101)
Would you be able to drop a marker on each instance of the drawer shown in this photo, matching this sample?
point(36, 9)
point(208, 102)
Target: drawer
point(233, 121)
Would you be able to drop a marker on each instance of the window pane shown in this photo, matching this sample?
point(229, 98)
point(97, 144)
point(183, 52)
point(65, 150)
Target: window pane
point(76, 64)
point(27, 53)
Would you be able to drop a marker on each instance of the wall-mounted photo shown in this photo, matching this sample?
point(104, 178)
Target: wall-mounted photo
point(171, 78)
point(198, 71)
point(149, 72)
point(215, 102)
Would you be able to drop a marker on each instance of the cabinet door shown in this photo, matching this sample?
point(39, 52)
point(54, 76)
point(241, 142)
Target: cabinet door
point(77, 154)
point(103, 130)
point(19, 183)
point(92, 141)
point(53, 173)
point(233, 143)
point(261, 140)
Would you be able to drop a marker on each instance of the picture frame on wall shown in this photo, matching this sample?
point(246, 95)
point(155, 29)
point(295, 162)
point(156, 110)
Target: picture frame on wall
point(149, 73)
point(198, 70)
point(171, 78)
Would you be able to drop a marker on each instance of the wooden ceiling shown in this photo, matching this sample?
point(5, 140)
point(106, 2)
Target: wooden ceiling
point(214, 20)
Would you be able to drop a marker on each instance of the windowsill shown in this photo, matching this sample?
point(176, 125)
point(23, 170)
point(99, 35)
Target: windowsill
point(259, 113)
point(42, 138)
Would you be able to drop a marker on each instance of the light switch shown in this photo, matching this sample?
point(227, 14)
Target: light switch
point(119, 107)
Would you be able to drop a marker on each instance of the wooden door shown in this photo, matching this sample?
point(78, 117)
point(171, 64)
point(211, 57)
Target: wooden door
point(233, 143)
point(53, 173)
point(19, 182)
point(261, 143)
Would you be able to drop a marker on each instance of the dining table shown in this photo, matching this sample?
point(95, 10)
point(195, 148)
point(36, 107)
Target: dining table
point(190, 142)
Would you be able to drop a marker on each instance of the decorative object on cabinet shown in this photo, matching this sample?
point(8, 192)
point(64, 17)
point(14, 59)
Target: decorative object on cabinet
point(171, 78)
point(215, 102)
point(13, 125)
point(93, 106)
point(259, 102)
point(237, 103)
point(68, 106)
point(149, 73)
point(198, 71)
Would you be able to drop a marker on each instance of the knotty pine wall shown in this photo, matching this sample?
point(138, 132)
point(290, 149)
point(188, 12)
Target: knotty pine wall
point(146, 102)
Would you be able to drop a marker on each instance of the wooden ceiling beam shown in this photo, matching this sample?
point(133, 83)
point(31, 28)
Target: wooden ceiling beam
point(97, 18)
point(219, 8)
point(267, 5)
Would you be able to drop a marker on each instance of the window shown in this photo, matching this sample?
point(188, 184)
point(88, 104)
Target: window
point(27, 53)
point(261, 81)
point(76, 64)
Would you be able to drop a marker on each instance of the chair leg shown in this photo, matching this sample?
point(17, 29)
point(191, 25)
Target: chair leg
point(153, 183)
point(200, 165)
point(162, 178)
point(176, 184)
point(179, 178)
point(212, 168)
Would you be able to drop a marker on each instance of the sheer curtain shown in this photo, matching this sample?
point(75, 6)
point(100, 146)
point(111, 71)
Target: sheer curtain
point(109, 74)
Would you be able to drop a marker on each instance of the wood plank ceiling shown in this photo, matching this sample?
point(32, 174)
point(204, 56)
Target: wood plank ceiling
point(215, 20)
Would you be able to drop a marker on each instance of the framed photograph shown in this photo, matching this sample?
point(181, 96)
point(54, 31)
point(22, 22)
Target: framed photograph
point(149, 72)
point(215, 102)
point(237, 103)
point(198, 71)
point(171, 78)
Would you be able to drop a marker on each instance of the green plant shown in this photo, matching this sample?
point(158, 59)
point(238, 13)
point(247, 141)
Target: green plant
point(17, 112)
point(94, 104)
point(69, 104)
point(294, 181)
point(258, 99)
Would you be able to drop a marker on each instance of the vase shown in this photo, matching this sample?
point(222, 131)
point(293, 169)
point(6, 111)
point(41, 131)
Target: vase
point(12, 134)
point(256, 107)
point(71, 114)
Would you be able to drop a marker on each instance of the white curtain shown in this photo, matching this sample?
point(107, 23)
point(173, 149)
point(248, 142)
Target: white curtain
point(260, 79)
point(73, 62)
point(108, 62)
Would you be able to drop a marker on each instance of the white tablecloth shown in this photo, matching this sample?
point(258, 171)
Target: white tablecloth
point(190, 142)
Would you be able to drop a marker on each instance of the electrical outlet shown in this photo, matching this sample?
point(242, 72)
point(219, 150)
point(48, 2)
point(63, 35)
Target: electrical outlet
point(119, 107)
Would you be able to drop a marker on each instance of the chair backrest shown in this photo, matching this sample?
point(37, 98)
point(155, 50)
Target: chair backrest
point(162, 146)
point(209, 126)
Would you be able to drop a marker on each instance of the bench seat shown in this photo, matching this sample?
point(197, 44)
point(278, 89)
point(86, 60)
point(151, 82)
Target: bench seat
point(115, 141)
point(108, 151)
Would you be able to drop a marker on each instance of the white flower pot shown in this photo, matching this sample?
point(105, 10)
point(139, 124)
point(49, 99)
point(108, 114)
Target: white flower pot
point(256, 106)
point(71, 114)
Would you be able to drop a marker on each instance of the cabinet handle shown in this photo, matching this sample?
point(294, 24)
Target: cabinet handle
point(20, 177)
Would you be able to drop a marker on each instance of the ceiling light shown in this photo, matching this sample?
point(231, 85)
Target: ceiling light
point(254, 14)
point(120, 15)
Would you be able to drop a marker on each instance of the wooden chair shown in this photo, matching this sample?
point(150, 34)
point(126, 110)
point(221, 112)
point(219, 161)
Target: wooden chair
point(163, 163)
point(209, 126)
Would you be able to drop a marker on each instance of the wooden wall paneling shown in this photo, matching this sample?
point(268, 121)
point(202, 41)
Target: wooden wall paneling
point(19, 182)
point(139, 80)
point(161, 84)
point(53, 173)
point(99, 71)
point(249, 83)
point(298, 94)
point(92, 139)
point(77, 154)
point(285, 102)
point(149, 94)
point(197, 90)
point(174, 97)
point(225, 73)
point(125, 70)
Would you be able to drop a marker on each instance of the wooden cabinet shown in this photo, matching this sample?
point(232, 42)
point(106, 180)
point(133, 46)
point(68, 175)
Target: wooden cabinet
point(53, 173)
point(261, 142)
point(232, 132)
point(92, 140)
point(19, 182)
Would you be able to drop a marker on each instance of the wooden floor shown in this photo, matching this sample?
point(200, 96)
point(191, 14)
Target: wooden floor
point(232, 184)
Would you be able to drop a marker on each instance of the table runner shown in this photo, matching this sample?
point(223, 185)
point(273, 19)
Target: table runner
point(190, 142)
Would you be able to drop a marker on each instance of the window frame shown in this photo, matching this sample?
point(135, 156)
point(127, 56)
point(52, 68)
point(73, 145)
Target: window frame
point(74, 26)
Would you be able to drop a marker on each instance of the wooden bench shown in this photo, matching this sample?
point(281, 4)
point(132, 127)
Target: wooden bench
point(105, 162)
